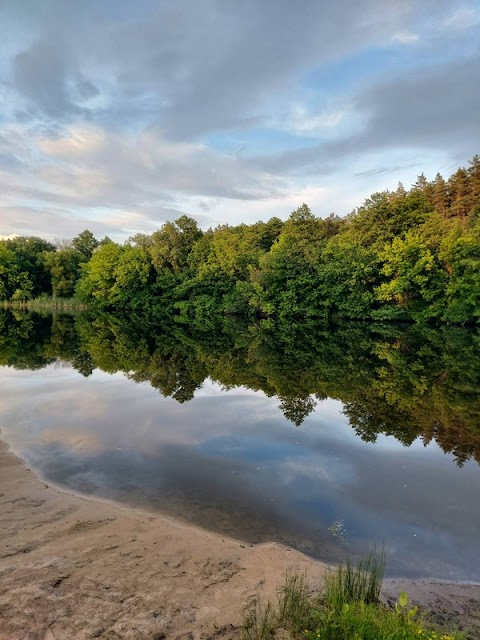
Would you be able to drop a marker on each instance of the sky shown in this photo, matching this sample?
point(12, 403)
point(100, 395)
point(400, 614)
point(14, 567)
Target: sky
point(118, 115)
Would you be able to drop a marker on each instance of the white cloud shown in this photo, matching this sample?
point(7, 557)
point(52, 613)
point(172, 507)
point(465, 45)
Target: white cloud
point(79, 140)
point(405, 37)
point(303, 120)
point(118, 116)
point(465, 17)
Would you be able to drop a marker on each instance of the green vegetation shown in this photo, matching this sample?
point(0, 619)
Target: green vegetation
point(45, 302)
point(350, 584)
point(409, 381)
point(348, 608)
point(403, 255)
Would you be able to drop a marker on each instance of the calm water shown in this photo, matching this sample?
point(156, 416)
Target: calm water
point(327, 440)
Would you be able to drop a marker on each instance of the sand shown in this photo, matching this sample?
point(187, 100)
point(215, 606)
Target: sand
point(73, 568)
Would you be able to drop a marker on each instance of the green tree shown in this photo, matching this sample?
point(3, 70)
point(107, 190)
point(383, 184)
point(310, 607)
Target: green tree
point(23, 287)
point(385, 216)
point(347, 276)
point(286, 283)
point(98, 275)
point(29, 256)
point(415, 278)
point(64, 267)
point(172, 244)
point(440, 196)
point(85, 243)
point(462, 294)
point(8, 271)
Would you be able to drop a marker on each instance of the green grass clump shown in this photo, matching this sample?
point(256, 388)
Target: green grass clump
point(294, 606)
point(347, 609)
point(350, 583)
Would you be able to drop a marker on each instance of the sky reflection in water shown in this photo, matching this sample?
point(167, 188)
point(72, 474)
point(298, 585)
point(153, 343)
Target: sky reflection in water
point(229, 461)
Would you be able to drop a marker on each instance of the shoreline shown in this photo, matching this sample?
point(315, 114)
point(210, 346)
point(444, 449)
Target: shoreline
point(74, 566)
point(178, 521)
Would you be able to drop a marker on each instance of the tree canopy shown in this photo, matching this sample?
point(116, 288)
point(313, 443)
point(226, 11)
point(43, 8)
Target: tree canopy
point(402, 255)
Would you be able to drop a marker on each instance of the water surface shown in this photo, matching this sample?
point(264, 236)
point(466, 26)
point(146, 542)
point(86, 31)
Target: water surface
point(327, 440)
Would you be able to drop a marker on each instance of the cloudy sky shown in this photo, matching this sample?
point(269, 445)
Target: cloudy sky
point(117, 115)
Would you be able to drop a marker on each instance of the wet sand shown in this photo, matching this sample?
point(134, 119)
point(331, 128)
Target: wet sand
point(73, 568)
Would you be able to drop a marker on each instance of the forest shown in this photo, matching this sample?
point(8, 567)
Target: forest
point(402, 255)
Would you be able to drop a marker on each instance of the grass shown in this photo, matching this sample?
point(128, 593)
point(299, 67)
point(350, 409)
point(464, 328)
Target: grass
point(351, 583)
point(45, 302)
point(260, 623)
point(294, 603)
point(360, 621)
point(348, 608)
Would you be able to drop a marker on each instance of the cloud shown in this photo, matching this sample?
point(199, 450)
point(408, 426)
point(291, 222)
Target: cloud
point(431, 108)
point(192, 69)
point(307, 121)
point(465, 17)
point(131, 113)
point(133, 181)
point(40, 75)
point(405, 37)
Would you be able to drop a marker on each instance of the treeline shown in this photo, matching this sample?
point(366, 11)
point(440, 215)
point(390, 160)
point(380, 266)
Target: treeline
point(31, 267)
point(402, 255)
point(407, 381)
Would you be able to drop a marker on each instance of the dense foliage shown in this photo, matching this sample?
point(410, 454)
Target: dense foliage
point(402, 255)
point(408, 381)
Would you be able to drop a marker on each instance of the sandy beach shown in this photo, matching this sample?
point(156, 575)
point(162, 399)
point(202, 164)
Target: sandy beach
point(73, 568)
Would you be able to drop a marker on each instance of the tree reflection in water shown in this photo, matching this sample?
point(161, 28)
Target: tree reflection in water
point(408, 381)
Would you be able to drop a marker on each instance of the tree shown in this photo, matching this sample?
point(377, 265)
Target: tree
point(461, 197)
point(85, 243)
point(423, 186)
point(133, 275)
point(440, 195)
point(98, 275)
point(463, 288)
point(172, 244)
point(415, 278)
point(384, 216)
point(8, 271)
point(285, 283)
point(23, 287)
point(29, 257)
point(347, 276)
point(64, 267)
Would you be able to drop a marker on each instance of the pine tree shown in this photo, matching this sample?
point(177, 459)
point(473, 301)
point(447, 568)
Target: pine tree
point(401, 191)
point(459, 187)
point(424, 186)
point(474, 176)
point(440, 195)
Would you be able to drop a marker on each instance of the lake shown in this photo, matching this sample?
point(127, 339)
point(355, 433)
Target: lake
point(327, 439)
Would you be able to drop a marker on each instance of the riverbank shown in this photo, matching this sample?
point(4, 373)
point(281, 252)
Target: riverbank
point(72, 567)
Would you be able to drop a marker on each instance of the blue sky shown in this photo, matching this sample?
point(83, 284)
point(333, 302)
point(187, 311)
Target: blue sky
point(120, 115)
